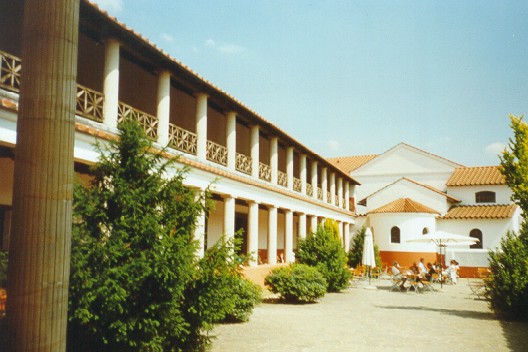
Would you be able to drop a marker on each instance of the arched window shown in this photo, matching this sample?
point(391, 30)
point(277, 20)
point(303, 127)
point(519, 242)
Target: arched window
point(476, 233)
point(395, 235)
point(425, 231)
point(485, 197)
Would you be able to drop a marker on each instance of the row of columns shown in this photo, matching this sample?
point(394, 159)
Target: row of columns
point(253, 230)
point(111, 93)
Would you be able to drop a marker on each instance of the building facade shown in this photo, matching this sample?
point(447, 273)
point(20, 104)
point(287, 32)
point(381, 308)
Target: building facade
point(263, 181)
point(407, 192)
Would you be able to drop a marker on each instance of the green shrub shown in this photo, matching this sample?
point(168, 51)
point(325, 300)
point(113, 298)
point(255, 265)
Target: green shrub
point(219, 291)
point(133, 253)
point(507, 288)
point(297, 282)
point(324, 251)
point(355, 253)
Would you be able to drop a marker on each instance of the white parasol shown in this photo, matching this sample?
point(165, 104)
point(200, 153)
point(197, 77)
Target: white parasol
point(443, 239)
point(368, 258)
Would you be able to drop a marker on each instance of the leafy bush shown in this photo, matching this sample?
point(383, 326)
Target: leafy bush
point(297, 282)
point(355, 253)
point(507, 288)
point(133, 253)
point(324, 251)
point(219, 292)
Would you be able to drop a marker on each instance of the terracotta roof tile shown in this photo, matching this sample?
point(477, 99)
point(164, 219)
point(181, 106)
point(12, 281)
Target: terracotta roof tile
point(476, 176)
point(481, 212)
point(404, 205)
point(349, 163)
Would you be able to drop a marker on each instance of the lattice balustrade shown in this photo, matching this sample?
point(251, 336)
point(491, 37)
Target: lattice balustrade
point(319, 193)
point(10, 67)
point(296, 184)
point(343, 205)
point(329, 197)
point(182, 140)
point(265, 172)
point(309, 190)
point(282, 179)
point(216, 153)
point(148, 122)
point(243, 163)
point(89, 103)
point(336, 200)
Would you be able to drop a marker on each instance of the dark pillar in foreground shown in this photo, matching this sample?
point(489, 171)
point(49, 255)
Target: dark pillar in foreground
point(39, 253)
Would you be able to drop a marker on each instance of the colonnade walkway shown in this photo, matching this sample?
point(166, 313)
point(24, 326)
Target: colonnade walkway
point(359, 319)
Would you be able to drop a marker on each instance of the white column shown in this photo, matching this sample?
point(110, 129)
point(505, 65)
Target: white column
point(289, 167)
point(346, 236)
point(302, 169)
point(229, 217)
point(324, 183)
point(163, 107)
point(302, 226)
point(252, 244)
point(347, 195)
point(111, 83)
point(340, 232)
point(272, 234)
point(201, 126)
point(340, 192)
point(314, 179)
point(231, 140)
point(255, 150)
point(313, 223)
point(199, 231)
point(274, 159)
point(288, 240)
point(332, 188)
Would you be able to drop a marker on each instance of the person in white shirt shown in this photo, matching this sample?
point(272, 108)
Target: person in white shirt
point(422, 270)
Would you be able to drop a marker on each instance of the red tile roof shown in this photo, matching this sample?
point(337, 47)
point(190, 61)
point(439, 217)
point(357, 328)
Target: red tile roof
point(481, 212)
point(348, 164)
point(404, 205)
point(476, 176)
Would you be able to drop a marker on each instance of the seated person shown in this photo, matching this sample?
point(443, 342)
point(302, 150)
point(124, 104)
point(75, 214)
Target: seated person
point(431, 270)
point(414, 268)
point(422, 270)
point(396, 273)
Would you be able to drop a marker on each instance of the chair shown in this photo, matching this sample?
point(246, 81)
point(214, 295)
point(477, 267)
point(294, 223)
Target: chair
point(477, 287)
point(396, 282)
point(426, 284)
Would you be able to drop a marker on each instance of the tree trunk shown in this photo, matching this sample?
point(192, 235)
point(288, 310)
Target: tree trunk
point(39, 253)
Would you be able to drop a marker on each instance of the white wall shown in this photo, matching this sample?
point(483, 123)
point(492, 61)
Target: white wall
point(411, 226)
point(406, 189)
point(467, 193)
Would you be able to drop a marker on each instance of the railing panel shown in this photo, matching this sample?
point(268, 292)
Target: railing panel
point(89, 103)
point(282, 179)
point(309, 190)
point(216, 153)
point(148, 122)
point(182, 140)
point(265, 172)
point(329, 197)
point(10, 67)
point(243, 163)
point(296, 184)
point(319, 193)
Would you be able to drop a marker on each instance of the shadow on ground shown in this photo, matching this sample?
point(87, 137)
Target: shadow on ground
point(516, 333)
point(470, 314)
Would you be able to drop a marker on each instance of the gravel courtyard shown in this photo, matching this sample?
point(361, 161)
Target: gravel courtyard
point(360, 319)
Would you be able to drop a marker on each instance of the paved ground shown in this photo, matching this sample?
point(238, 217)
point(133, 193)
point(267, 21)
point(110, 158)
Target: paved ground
point(376, 320)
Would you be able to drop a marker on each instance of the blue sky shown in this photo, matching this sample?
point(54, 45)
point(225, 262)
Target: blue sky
point(357, 77)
